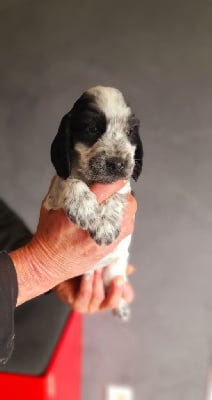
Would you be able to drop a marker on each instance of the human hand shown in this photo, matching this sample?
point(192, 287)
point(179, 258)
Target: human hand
point(69, 249)
point(87, 294)
point(60, 250)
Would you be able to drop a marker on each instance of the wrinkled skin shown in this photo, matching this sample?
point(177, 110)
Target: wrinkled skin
point(60, 251)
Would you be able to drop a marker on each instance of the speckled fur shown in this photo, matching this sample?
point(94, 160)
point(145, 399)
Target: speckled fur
point(111, 156)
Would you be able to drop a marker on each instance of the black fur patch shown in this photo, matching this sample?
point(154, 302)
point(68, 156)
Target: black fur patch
point(87, 126)
point(134, 138)
point(88, 123)
point(61, 147)
point(85, 123)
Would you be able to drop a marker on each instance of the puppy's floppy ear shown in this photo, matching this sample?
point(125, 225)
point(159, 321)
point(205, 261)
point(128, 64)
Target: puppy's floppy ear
point(136, 140)
point(61, 148)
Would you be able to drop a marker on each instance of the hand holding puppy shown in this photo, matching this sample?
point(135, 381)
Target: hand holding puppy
point(60, 250)
point(87, 294)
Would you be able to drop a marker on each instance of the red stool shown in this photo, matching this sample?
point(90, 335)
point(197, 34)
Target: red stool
point(46, 363)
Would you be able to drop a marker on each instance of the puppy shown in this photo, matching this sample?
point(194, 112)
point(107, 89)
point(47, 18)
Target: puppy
point(97, 141)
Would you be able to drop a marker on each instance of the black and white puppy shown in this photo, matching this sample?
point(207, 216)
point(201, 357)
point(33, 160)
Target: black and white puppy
point(97, 141)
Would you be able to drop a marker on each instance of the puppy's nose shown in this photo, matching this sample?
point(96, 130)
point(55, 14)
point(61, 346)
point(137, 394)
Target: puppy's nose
point(115, 164)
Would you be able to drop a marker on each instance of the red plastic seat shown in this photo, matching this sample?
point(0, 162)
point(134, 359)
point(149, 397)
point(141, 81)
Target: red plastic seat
point(46, 362)
point(39, 370)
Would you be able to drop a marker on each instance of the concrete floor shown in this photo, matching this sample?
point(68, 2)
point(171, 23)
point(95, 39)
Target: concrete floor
point(159, 53)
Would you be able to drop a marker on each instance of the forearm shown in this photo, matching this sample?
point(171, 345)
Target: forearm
point(33, 274)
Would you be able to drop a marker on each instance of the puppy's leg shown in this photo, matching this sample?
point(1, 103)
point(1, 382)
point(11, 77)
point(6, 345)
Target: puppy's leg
point(109, 226)
point(80, 204)
point(78, 201)
point(118, 267)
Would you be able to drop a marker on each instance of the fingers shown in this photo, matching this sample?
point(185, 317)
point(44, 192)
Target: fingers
point(87, 294)
point(83, 298)
point(104, 191)
point(91, 297)
point(114, 294)
point(98, 293)
point(128, 293)
point(50, 186)
point(68, 290)
point(130, 269)
point(131, 207)
point(91, 294)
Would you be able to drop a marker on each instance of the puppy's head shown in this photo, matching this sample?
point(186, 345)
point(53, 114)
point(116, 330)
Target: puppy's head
point(98, 140)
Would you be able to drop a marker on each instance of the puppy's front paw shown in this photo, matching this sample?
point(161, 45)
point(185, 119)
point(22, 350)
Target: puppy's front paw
point(105, 233)
point(81, 206)
point(82, 216)
point(110, 216)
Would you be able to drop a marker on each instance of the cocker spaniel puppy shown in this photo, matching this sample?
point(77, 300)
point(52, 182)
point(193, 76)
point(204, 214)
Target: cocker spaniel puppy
point(97, 141)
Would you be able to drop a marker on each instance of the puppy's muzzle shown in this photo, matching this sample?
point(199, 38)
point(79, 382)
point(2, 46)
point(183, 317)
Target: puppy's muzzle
point(116, 165)
point(108, 169)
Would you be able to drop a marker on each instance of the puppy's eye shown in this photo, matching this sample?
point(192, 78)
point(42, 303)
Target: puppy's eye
point(92, 129)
